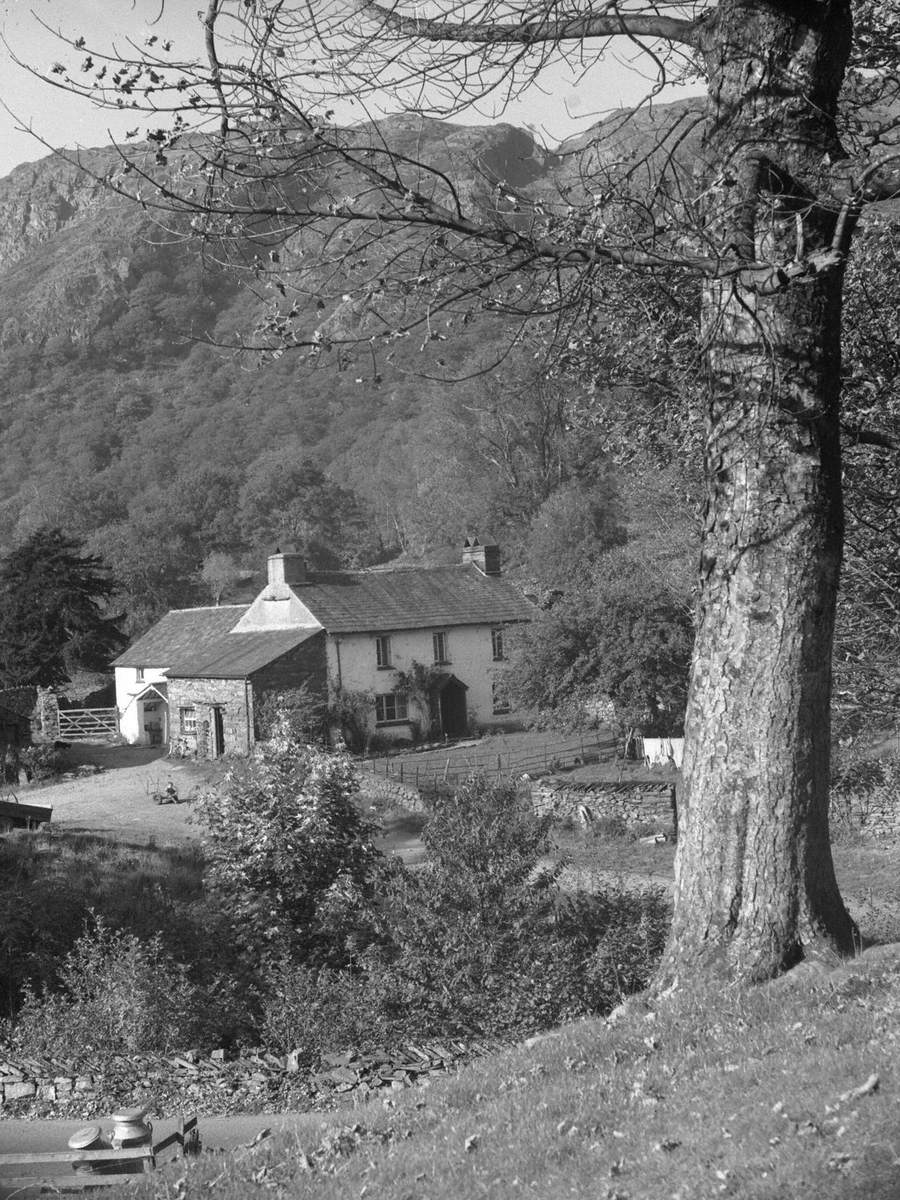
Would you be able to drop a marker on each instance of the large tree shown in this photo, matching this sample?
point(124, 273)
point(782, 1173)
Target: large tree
point(55, 615)
point(765, 225)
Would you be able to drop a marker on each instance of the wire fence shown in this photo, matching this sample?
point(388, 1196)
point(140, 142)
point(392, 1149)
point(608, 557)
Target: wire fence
point(427, 770)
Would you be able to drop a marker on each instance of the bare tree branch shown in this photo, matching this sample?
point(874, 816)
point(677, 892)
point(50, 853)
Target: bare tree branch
point(575, 27)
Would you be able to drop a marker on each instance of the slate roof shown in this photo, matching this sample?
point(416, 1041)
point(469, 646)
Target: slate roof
point(238, 655)
point(196, 643)
point(182, 632)
point(412, 598)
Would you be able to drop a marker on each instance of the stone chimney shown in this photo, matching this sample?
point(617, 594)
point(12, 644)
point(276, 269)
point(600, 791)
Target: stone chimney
point(485, 557)
point(287, 568)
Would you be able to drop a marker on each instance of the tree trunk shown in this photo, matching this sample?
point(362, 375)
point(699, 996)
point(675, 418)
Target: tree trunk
point(755, 883)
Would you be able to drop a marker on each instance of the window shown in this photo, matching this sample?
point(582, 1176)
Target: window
point(500, 697)
point(187, 720)
point(390, 707)
point(383, 651)
point(139, 674)
point(439, 641)
point(497, 645)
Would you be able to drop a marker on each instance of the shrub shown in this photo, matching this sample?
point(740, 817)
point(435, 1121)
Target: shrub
point(288, 854)
point(481, 941)
point(41, 761)
point(862, 787)
point(478, 941)
point(298, 711)
point(118, 995)
point(349, 715)
point(316, 1010)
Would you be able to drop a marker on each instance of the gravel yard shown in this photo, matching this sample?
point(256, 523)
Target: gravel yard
point(119, 799)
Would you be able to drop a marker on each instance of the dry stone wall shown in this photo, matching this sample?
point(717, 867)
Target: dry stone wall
point(383, 787)
point(215, 1083)
point(873, 816)
point(637, 805)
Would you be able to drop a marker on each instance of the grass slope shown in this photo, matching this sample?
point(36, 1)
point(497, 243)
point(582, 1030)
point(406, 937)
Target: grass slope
point(788, 1089)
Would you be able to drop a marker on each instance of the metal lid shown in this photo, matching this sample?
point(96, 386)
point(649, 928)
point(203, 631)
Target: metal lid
point(85, 1138)
point(129, 1116)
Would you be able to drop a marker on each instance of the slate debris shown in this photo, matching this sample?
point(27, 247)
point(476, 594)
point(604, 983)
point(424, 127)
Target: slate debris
point(219, 1083)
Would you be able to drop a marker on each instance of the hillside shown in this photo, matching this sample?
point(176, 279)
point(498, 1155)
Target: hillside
point(130, 416)
point(786, 1090)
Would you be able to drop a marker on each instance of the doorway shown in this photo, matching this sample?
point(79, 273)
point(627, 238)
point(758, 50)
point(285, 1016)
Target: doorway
point(218, 731)
point(452, 707)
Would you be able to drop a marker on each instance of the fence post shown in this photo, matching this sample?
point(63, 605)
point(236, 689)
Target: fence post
point(401, 770)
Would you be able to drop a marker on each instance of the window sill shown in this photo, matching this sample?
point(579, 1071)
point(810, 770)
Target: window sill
point(386, 724)
point(386, 667)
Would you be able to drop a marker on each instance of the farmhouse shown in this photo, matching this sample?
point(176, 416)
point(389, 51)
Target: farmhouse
point(196, 679)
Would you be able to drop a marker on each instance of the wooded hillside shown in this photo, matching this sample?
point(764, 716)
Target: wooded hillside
point(131, 419)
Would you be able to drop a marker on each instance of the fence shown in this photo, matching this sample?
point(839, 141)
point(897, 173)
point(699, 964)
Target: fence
point(88, 723)
point(429, 769)
point(76, 1170)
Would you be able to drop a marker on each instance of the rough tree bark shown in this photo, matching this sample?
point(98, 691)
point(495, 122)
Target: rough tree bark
point(755, 883)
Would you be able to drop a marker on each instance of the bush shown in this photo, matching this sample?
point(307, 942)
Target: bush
point(314, 1011)
point(298, 711)
point(119, 995)
point(480, 940)
point(288, 854)
point(41, 761)
point(861, 787)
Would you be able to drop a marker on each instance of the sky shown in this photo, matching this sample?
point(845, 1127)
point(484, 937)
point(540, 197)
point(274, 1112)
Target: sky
point(565, 106)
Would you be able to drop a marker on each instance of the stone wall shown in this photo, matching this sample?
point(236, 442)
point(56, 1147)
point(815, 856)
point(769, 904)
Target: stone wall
point(875, 816)
point(203, 695)
point(636, 804)
point(305, 664)
point(382, 787)
point(216, 1083)
point(865, 799)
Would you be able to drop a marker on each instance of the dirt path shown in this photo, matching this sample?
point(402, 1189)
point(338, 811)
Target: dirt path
point(119, 800)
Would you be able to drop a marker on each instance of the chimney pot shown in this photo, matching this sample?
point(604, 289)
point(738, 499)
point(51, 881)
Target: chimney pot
point(486, 557)
point(286, 569)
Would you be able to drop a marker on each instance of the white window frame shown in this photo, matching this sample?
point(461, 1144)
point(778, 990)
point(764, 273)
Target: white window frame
point(500, 701)
point(497, 650)
point(439, 643)
point(187, 720)
point(391, 708)
point(383, 652)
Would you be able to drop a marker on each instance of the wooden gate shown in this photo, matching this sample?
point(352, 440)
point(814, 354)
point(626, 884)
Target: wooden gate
point(88, 724)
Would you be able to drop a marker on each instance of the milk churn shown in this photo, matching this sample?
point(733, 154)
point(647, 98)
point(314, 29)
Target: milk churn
point(89, 1138)
point(131, 1128)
